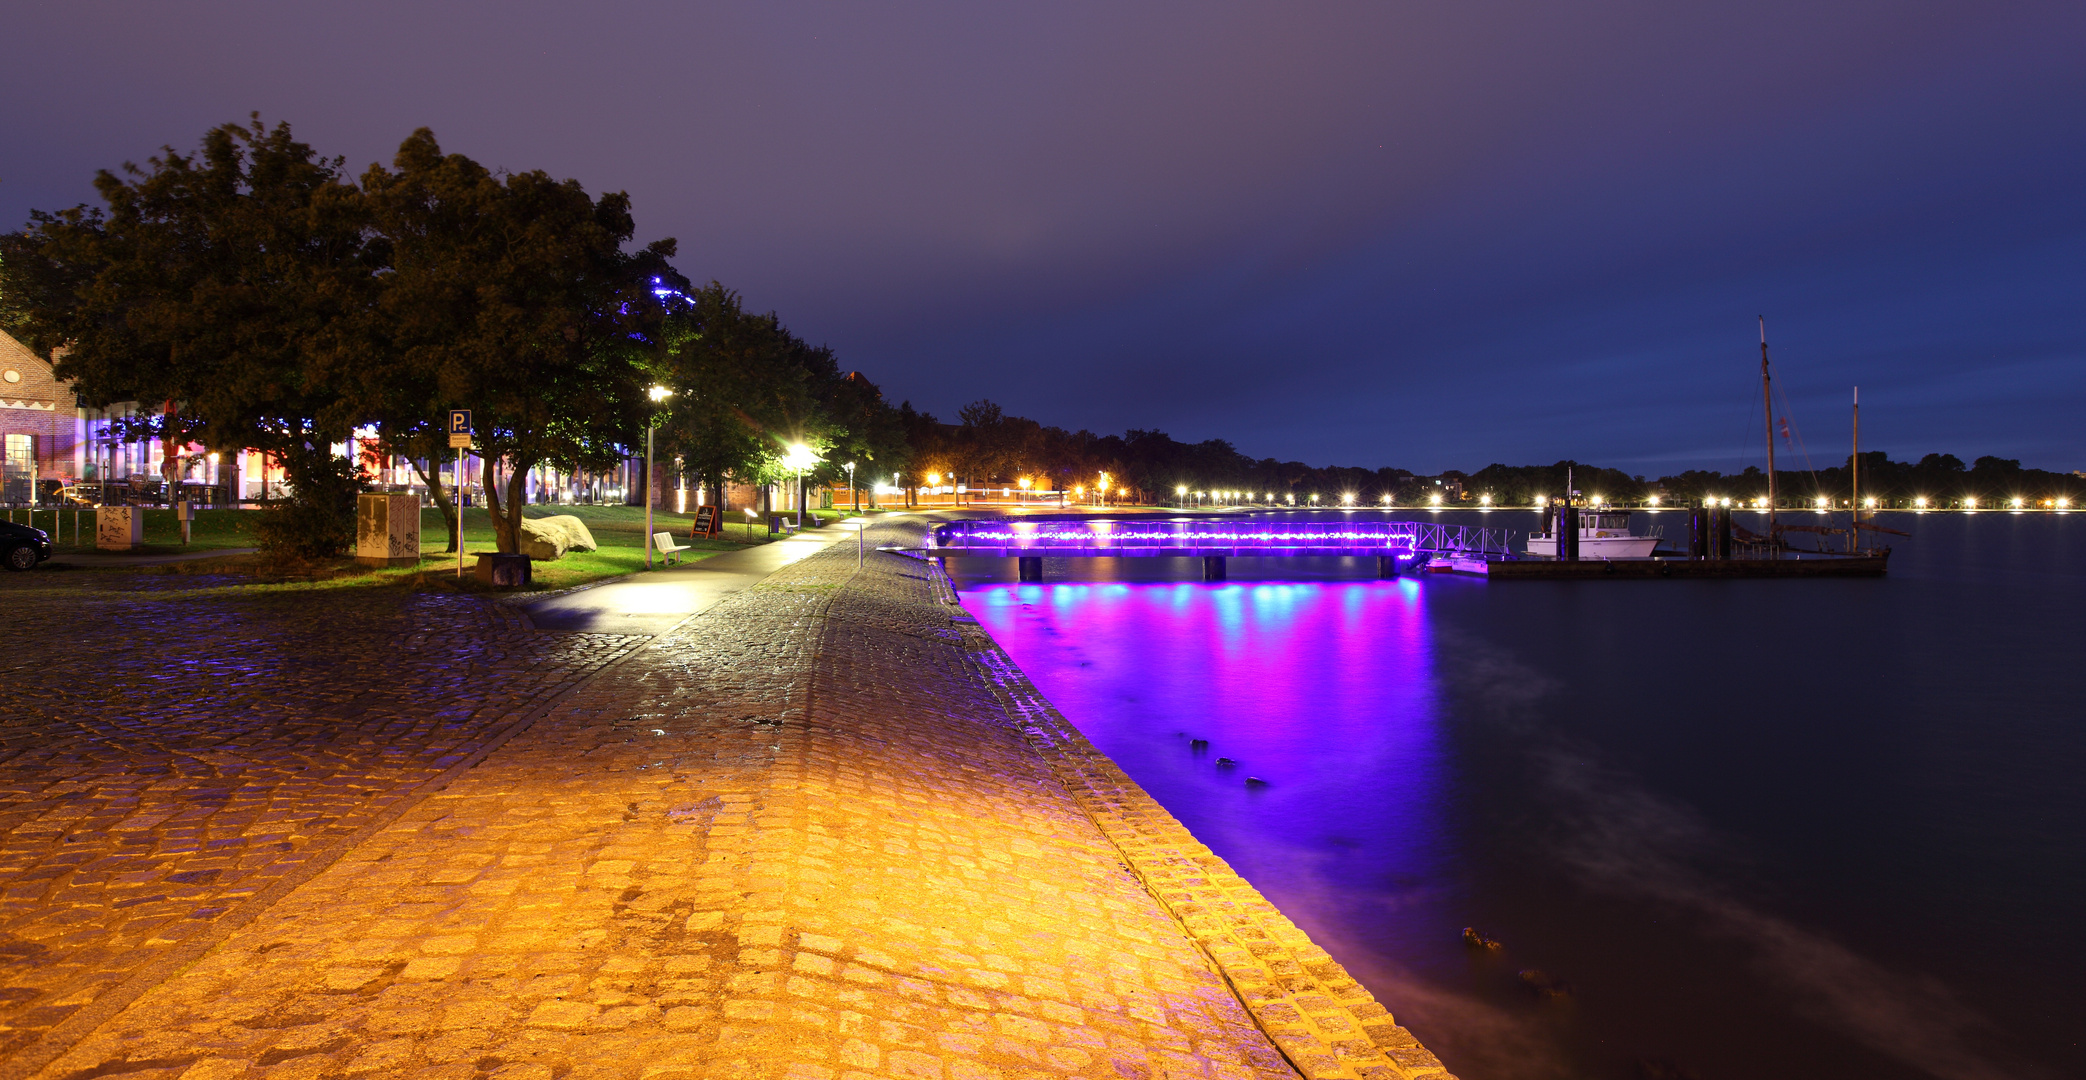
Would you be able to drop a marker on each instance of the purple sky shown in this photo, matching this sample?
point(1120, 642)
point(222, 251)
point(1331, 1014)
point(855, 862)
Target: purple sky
point(1427, 235)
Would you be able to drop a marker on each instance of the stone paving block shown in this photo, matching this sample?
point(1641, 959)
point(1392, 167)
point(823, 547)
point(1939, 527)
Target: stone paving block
point(820, 830)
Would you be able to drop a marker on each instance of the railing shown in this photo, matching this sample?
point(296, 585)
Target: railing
point(1148, 537)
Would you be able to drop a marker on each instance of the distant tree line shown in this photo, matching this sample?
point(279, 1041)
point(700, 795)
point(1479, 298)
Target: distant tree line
point(987, 447)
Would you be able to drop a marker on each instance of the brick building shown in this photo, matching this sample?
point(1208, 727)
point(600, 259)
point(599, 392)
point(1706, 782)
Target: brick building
point(42, 433)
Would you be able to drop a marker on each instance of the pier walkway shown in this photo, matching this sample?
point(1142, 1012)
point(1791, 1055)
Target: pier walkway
point(821, 830)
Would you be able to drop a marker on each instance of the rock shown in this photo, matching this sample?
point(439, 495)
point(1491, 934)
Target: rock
point(1198, 744)
point(1255, 781)
point(1226, 762)
point(1475, 940)
point(551, 537)
point(1541, 984)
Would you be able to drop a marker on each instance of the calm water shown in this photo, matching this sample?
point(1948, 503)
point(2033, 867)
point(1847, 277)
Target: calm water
point(1760, 828)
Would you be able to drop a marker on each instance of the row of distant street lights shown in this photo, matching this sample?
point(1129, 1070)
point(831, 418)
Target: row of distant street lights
point(1232, 498)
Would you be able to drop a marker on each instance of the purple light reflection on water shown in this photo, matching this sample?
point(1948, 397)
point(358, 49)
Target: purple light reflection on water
point(1324, 690)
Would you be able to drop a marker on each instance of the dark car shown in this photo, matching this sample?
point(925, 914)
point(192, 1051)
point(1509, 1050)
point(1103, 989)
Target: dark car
point(22, 547)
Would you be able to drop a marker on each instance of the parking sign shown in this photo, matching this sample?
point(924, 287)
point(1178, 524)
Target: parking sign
point(460, 429)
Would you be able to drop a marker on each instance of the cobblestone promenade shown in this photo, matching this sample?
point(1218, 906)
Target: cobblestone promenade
point(822, 831)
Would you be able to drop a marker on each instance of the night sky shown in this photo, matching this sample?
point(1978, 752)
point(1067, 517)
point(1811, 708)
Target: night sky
point(1422, 235)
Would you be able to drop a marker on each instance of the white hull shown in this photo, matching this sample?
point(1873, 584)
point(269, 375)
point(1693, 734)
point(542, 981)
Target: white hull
point(1622, 546)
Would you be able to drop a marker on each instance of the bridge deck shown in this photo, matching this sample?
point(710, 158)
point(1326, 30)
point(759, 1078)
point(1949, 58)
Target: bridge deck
point(1109, 551)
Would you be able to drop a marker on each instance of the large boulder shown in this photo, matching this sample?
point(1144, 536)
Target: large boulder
point(549, 538)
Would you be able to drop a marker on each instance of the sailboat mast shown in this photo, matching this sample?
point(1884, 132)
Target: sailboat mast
point(1767, 399)
point(1854, 481)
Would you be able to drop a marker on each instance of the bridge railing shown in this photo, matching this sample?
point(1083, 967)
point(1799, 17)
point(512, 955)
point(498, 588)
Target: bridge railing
point(1132, 535)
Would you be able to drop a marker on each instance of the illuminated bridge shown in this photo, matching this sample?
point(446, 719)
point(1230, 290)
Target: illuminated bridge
point(1397, 546)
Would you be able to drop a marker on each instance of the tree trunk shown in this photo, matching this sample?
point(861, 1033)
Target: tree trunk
point(507, 518)
point(433, 479)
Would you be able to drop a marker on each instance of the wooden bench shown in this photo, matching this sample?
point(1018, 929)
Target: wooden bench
point(664, 541)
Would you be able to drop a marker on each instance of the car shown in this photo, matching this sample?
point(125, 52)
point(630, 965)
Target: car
point(22, 547)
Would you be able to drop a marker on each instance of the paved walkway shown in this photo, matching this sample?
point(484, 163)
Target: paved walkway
point(656, 601)
point(102, 560)
point(821, 830)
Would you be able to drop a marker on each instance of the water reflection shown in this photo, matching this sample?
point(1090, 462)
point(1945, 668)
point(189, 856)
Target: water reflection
point(1810, 829)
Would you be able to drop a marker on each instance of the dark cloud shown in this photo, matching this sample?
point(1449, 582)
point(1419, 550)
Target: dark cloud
point(1425, 235)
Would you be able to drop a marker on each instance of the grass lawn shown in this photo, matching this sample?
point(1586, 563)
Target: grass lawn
point(619, 533)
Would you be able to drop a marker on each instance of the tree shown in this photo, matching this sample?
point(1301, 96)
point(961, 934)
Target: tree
point(510, 296)
point(218, 283)
point(744, 389)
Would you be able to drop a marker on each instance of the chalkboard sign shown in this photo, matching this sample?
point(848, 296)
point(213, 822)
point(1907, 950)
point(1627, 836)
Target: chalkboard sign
point(708, 521)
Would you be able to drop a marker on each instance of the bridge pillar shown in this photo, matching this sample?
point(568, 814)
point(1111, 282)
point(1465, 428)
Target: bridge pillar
point(1213, 568)
point(1386, 566)
point(1031, 567)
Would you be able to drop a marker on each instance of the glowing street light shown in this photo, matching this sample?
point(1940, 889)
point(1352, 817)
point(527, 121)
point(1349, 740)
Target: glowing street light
point(1485, 500)
point(1653, 500)
point(1347, 499)
point(1969, 502)
point(1870, 502)
point(1920, 502)
point(2019, 502)
point(1820, 502)
point(657, 394)
point(800, 458)
point(1434, 499)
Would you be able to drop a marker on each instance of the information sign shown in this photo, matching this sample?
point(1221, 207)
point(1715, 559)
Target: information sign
point(708, 521)
point(459, 429)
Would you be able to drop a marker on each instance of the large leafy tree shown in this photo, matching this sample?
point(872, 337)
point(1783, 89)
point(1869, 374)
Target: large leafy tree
point(511, 296)
point(217, 283)
point(745, 389)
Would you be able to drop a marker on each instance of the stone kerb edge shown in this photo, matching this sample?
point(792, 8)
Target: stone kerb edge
point(1322, 1020)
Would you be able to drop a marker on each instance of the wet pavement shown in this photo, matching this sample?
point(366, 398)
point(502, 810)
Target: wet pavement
point(817, 830)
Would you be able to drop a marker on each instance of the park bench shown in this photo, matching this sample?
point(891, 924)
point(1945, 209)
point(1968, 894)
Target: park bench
point(779, 523)
point(664, 541)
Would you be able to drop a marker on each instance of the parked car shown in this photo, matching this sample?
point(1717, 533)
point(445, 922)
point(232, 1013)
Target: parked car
point(22, 547)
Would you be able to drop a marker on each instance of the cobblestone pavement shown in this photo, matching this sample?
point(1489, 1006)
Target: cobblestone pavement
point(171, 749)
point(821, 831)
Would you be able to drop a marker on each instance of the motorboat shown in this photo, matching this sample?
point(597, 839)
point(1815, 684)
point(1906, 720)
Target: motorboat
point(1603, 534)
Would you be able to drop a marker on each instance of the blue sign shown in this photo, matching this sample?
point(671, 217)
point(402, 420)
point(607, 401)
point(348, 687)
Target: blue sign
point(459, 421)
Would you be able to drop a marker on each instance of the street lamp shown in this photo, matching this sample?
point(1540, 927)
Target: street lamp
point(658, 394)
point(800, 458)
point(853, 490)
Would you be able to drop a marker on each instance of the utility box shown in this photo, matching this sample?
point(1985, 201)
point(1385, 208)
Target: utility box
point(387, 530)
point(119, 528)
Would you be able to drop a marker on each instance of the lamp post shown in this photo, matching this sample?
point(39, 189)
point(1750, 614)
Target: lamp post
point(658, 394)
point(852, 490)
point(800, 458)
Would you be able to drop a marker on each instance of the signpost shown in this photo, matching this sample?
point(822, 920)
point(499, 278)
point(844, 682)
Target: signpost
point(709, 521)
point(460, 441)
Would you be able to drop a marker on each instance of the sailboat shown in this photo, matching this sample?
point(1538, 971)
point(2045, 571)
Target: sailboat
point(1774, 545)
